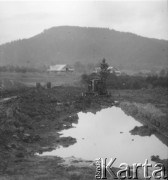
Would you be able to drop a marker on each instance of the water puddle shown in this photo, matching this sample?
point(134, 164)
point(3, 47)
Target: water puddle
point(106, 134)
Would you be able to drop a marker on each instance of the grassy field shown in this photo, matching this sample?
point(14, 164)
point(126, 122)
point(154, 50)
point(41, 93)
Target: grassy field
point(157, 97)
point(30, 79)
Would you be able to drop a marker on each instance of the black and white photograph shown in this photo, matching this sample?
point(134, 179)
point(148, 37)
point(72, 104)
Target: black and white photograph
point(83, 89)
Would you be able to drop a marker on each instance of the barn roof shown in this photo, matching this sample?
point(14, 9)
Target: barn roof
point(57, 67)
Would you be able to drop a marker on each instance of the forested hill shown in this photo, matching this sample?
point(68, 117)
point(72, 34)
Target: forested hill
point(66, 44)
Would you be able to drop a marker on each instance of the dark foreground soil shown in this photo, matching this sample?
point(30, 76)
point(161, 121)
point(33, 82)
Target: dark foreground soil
point(31, 122)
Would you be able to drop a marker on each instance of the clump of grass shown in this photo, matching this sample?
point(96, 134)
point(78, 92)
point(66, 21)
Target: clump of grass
point(142, 131)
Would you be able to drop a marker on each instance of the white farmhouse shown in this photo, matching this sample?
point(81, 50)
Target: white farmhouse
point(110, 69)
point(60, 68)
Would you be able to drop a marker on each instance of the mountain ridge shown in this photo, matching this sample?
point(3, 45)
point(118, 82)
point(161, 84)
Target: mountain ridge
point(70, 44)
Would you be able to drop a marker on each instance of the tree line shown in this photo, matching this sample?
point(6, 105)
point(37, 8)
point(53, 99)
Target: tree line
point(22, 69)
point(130, 82)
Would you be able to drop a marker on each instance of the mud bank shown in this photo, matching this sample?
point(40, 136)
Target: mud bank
point(142, 131)
point(148, 115)
point(151, 109)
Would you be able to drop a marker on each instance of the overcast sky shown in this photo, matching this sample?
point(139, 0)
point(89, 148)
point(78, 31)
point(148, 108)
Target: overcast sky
point(23, 19)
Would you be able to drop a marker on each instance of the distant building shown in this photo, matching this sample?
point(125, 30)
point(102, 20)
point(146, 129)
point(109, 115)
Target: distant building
point(110, 69)
point(114, 70)
point(60, 68)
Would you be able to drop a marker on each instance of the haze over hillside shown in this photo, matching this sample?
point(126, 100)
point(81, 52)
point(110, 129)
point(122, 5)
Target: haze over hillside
point(66, 44)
